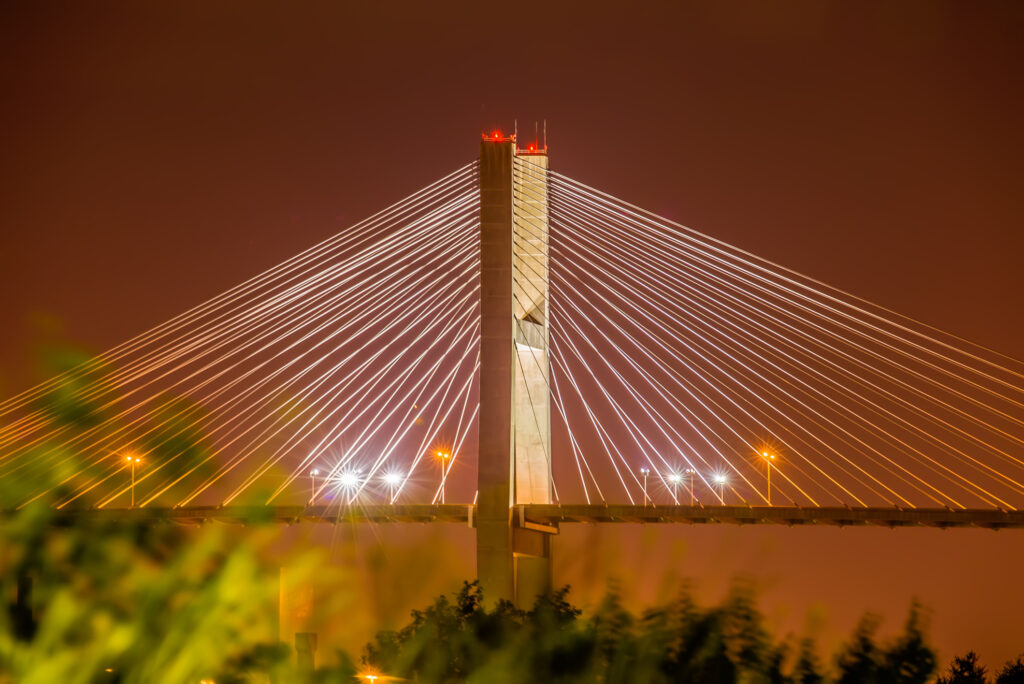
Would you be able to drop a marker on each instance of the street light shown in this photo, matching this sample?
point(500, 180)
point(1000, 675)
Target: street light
point(768, 458)
point(675, 479)
point(645, 472)
point(312, 485)
point(691, 473)
point(392, 480)
point(720, 480)
point(348, 481)
point(444, 456)
point(132, 461)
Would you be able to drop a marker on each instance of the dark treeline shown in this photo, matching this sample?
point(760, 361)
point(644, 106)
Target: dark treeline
point(458, 639)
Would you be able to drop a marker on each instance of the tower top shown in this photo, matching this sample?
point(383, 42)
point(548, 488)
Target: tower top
point(497, 136)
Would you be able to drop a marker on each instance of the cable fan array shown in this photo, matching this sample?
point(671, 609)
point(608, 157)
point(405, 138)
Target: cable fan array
point(682, 369)
point(326, 377)
point(685, 369)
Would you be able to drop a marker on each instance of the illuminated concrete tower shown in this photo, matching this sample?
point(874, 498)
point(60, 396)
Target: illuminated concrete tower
point(513, 557)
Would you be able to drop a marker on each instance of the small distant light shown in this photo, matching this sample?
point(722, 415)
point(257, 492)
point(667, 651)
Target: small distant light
point(765, 454)
point(721, 478)
point(349, 480)
point(392, 478)
point(314, 472)
point(675, 478)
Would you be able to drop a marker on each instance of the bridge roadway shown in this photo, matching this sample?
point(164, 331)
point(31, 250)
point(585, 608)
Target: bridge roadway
point(547, 517)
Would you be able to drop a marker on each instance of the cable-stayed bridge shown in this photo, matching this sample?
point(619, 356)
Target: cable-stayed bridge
point(512, 349)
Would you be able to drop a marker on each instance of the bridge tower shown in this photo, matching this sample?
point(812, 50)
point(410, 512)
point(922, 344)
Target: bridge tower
point(513, 556)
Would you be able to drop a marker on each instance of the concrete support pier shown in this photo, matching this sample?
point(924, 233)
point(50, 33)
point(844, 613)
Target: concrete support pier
point(513, 559)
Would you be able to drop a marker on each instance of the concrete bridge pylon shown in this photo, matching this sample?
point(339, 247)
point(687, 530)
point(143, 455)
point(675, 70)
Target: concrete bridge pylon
point(514, 467)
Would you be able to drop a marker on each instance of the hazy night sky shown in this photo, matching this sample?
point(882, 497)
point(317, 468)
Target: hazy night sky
point(155, 155)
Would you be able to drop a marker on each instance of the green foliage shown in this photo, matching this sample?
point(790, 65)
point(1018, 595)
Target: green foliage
point(71, 401)
point(135, 603)
point(105, 600)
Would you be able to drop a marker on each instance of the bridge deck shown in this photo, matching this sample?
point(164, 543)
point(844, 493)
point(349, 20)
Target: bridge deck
point(554, 514)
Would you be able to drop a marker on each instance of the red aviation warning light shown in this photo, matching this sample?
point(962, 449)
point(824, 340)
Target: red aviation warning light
point(497, 136)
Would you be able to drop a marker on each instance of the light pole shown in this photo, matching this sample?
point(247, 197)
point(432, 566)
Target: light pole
point(132, 460)
point(349, 483)
point(392, 480)
point(644, 472)
point(444, 456)
point(768, 458)
point(720, 480)
point(675, 478)
point(691, 473)
point(312, 485)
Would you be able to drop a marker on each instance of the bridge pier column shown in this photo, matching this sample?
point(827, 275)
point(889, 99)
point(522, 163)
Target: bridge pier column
point(296, 616)
point(494, 561)
point(513, 562)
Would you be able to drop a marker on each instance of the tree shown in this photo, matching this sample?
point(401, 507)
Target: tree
point(615, 640)
point(858, 664)
point(909, 660)
point(965, 670)
point(746, 639)
point(806, 670)
point(1012, 672)
point(134, 602)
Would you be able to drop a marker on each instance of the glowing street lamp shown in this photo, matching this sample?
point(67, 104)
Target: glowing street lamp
point(132, 462)
point(645, 472)
point(312, 485)
point(720, 480)
point(445, 467)
point(691, 474)
point(392, 480)
point(348, 482)
point(768, 458)
point(675, 479)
